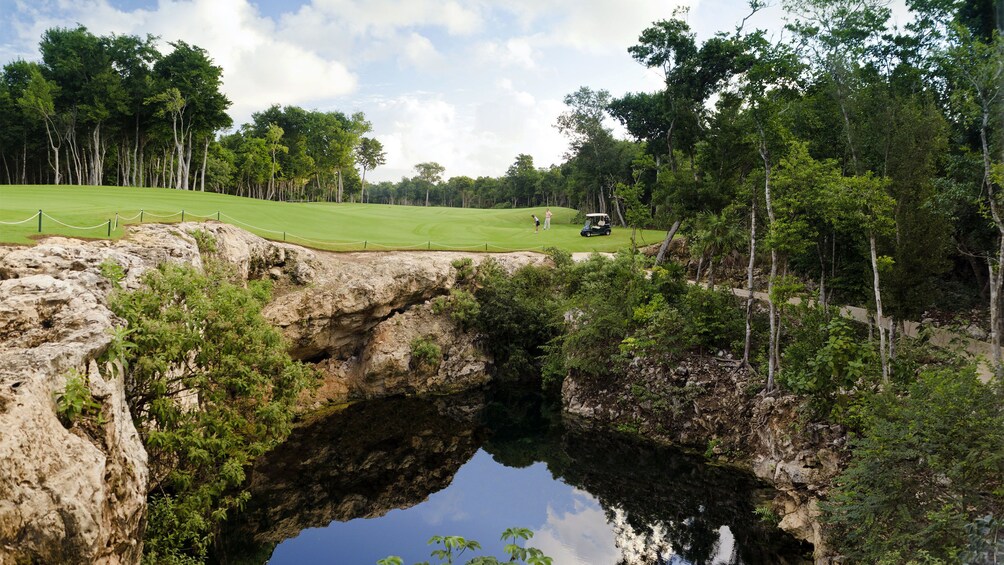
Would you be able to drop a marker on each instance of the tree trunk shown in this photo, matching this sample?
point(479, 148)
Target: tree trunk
point(773, 361)
point(996, 280)
point(879, 320)
point(665, 243)
point(205, 157)
point(749, 286)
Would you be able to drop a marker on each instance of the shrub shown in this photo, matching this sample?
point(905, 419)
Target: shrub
point(827, 360)
point(205, 241)
point(425, 354)
point(75, 401)
point(714, 319)
point(460, 305)
point(929, 464)
point(112, 271)
point(517, 316)
point(210, 387)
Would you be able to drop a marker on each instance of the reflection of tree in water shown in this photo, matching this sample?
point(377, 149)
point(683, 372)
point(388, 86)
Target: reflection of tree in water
point(372, 457)
point(363, 461)
point(659, 498)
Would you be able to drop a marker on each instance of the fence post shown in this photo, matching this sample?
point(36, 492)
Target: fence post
point(217, 215)
point(182, 214)
point(364, 245)
point(284, 236)
point(39, 221)
point(430, 246)
point(109, 228)
point(486, 247)
point(141, 216)
point(116, 220)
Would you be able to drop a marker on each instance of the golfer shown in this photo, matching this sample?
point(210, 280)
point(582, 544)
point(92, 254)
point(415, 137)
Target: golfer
point(536, 223)
point(547, 219)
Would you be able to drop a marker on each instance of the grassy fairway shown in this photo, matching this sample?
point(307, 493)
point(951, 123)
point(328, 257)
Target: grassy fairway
point(319, 225)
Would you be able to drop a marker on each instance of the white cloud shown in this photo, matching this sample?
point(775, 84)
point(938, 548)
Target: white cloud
point(579, 537)
point(385, 17)
point(258, 69)
point(514, 52)
point(419, 52)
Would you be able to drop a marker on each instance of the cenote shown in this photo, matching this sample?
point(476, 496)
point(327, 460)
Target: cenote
point(380, 478)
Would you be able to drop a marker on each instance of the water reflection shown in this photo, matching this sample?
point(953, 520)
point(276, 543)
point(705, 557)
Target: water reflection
point(380, 478)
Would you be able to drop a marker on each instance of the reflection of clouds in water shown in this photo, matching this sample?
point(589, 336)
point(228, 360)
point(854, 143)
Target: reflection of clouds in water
point(640, 547)
point(726, 547)
point(445, 506)
point(580, 536)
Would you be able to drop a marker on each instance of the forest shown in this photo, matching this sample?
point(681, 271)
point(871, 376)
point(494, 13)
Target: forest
point(849, 150)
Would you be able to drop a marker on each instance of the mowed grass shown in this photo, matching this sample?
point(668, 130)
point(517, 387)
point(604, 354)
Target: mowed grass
point(339, 227)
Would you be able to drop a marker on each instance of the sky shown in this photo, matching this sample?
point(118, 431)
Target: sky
point(469, 84)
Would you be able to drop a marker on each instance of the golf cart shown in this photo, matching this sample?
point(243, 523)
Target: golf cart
point(596, 224)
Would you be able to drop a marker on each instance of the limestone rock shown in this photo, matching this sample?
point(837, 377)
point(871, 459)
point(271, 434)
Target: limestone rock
point(387, 361)
point(66, 496)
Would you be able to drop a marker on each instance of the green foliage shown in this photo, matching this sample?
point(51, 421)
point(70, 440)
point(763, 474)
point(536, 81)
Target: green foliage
point(766, 514)
point(929, 463)
point(210, 387)
point(465, 269)
point(425, 354)
point(204, 240)
point(460, 305)
point(112, 271)
point(518, 315)
point(826, 357)
point(713, 318)
point(75, 401)
point(454, 546)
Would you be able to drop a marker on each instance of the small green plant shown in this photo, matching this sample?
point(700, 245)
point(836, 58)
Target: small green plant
point(75, 400)
point(766, 514)
point(204, 240)
point(713, 444)
point(112, 271)
point(460, 305)
point(465, 269)
point(454, 546)
point(425, 353)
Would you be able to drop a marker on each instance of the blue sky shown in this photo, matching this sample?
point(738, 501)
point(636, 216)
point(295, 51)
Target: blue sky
point(467, 83)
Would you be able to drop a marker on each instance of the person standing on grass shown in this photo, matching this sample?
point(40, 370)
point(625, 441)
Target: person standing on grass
point(547, 219)
point(536, 223)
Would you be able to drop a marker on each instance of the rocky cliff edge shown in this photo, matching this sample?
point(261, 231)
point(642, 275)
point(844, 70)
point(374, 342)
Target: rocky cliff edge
point(76, 493)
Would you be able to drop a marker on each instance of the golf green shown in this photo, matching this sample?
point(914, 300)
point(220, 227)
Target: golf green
point(100, 212)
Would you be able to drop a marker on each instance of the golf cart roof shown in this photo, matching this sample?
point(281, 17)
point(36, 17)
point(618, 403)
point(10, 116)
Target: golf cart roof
point(597, 215)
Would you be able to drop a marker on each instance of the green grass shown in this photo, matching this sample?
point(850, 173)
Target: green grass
point(320, 225)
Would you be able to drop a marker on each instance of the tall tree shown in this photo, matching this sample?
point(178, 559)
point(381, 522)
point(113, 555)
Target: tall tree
point(431, 174)
point(369, 155)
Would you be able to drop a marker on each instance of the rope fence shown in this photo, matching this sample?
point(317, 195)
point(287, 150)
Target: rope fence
point(364, 245)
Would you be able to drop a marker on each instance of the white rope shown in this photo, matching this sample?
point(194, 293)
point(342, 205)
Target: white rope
point(213, 215)
point(160, 216)
point(236, 221)
point(123, 219)
point(321, 242)
point(101, 225)
point(33, 216)
point(457, 247)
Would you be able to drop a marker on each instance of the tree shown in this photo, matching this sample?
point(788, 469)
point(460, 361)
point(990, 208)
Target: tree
point(189, 93)
point(37, 101)
point(370, 155)
point(431, 174)
point(201, 338)
point(272, 138)
point(976, 73)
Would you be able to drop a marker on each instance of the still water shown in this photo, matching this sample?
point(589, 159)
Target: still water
point(380, 478)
